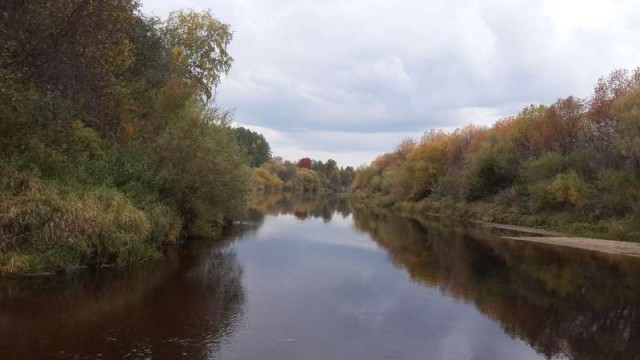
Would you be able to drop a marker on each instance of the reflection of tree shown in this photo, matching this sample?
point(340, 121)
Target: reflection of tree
point(180, 309)
point(302, 206)
point(563, 302)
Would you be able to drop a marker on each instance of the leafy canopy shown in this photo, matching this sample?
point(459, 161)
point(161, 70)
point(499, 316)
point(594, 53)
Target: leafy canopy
point(198, 43)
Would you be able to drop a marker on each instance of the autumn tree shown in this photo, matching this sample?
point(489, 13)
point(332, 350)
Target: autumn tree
point(305, 163)
point(198, 43)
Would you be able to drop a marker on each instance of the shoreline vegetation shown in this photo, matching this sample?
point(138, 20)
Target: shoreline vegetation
point(572, 167)
point(535, 235)
point(111, 143)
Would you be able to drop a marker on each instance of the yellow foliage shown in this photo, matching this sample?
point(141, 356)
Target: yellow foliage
point(263, 180)
point(568, 188)
point(178, 54)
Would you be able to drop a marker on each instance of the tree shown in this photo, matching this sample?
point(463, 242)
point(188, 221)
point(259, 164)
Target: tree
point(305, 163)
point(198, 42)
point(568, 115)
point(76, 48)
point(254, 145)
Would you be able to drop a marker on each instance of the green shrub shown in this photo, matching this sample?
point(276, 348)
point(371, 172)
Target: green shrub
point(616, 195)
point(541, 168)
point(166, 224)
point(488, 176)
point(540, 198)
point(85, 140)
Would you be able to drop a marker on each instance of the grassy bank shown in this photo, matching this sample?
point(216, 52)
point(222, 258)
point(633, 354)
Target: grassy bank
point(47, 226)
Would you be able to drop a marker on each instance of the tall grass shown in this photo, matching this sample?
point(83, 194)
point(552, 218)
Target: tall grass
point(44, 226)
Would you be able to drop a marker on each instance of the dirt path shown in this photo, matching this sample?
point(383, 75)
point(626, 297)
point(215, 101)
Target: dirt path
point(604, 246)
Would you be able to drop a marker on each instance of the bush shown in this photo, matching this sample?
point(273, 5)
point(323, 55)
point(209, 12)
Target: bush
point(616, 194)
point(568, 189)
point(544, 167)
point(487, 177)
point(85, 140)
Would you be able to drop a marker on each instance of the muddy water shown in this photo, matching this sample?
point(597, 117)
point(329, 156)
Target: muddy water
point(316, 279)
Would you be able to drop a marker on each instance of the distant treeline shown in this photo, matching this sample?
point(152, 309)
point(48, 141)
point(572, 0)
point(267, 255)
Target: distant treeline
point(275, 175)
point(573, 165)
point(109, 142)
point(306, 175)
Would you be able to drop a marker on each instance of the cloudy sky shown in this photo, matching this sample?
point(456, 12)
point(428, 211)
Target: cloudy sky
point(349, 79)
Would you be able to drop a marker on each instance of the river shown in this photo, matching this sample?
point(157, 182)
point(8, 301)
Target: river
point(317, 279)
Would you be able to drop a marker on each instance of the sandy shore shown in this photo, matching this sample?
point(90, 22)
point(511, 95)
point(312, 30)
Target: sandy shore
point(522, 229)
point(604, 246)
point(560, 239)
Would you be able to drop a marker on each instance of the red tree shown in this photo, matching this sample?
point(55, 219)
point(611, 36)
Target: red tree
point(304, 163)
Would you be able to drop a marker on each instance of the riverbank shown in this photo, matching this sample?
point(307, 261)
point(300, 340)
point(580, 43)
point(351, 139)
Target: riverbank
point(550, 224)
point(567, 223)
point(533, 232)
point(559, 239)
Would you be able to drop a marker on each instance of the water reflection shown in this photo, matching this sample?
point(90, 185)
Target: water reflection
point(182, 308)
point(305, 206)
point(313, 278)
point(562, 302)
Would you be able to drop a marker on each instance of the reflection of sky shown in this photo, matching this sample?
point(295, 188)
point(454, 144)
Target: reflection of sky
point(336, 232)
point(323, 291)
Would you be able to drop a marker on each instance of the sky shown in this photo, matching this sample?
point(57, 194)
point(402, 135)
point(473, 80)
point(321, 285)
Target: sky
point(350, 79)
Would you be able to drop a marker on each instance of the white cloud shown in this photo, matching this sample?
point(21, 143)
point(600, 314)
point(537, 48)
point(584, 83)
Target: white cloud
point(376, 70)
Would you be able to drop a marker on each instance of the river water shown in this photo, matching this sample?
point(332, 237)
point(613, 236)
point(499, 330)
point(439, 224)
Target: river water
point(317, 279)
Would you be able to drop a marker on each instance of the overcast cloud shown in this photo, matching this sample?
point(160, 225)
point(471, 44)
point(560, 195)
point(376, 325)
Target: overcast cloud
point(349, 79)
